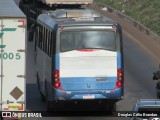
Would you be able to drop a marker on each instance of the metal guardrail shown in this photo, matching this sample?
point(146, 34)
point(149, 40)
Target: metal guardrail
point(128, 19)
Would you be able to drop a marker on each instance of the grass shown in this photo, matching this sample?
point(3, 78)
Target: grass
point(146, 12)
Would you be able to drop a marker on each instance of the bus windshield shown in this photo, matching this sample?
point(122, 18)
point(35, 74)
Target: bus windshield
point(74, 40)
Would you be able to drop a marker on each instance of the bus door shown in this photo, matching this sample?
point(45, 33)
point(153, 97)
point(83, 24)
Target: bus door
point(88, 60)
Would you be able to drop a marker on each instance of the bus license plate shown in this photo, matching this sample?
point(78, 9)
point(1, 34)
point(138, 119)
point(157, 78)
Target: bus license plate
point(88, 97)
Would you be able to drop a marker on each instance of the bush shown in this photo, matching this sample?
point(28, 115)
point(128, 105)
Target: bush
point(147, 12)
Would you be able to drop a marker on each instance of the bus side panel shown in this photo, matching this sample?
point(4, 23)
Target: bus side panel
point(13, 64)
point(41, 69)
point(48, 74)
point(44, 69)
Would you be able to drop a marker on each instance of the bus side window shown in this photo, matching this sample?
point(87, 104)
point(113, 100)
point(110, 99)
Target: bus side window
point(40, 37)
point(36, 36)
point(52, 44)
point(49, 41)
point(45, 41)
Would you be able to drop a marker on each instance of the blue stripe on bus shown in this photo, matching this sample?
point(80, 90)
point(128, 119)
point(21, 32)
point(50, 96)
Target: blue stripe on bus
point(119, 60)
point(57, 60)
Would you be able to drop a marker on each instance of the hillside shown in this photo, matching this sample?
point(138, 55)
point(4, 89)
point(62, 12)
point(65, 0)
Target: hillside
point(146, 12)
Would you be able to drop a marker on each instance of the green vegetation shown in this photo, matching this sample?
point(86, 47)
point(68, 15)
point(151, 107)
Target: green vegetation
point(146, 12)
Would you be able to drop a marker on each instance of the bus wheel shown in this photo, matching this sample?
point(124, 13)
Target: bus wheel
point(48, 106)
point(112, 108)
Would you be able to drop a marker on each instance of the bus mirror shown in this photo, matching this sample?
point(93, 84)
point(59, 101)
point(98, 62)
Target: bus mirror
point(30, 35)
point(31, 32)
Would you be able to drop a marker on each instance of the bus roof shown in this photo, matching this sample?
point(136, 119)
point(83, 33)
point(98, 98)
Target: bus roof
point(73, 18)
point(8, 8)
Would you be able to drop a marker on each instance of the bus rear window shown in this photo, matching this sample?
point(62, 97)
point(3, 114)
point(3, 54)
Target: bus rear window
point(74, 40)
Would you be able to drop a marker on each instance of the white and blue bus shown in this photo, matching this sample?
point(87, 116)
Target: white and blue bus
point(79, 58)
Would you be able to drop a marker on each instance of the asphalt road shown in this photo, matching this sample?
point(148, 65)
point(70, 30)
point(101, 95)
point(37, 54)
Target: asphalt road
point(139, 67)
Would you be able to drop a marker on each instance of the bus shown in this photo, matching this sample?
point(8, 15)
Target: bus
point(79, 58)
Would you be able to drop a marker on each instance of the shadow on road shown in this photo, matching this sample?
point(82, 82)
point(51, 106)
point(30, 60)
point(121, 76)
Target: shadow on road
point(34, 104)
